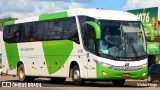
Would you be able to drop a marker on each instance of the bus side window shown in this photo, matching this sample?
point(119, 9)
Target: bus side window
point(70, 30)
point(5, 33)
point(32, 31)
point(25, 33)
point(21, 33)
point(16, 34)
point(84, 35)
point(9, 33)
point(91, 39)
point(56, 30)
point(88, 34)
point(39, 33)
point(46, 27)
point(83, 19)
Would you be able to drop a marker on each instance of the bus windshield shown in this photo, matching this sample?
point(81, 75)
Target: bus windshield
point(121, 39)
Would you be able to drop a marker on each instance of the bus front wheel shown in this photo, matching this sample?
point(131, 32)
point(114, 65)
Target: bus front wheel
point(21, 74)
point(118, 83)
point(77, 80)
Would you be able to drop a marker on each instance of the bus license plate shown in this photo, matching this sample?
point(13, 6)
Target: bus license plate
point(126, 75)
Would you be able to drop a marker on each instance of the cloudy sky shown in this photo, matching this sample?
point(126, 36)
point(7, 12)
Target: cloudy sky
point(26, 8)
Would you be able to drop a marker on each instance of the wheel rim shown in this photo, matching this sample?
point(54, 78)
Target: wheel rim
point(76, 75)
point(149, 78)
point(21, 74)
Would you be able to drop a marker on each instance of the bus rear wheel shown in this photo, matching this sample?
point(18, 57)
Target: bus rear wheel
point(77, 80)
point(21, 74)
point(118, 83)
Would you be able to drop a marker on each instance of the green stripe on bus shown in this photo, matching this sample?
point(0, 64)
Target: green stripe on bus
point(12, 55)
point(53, 15)
point(9, 23)
point(56, 53)
point(96, 27)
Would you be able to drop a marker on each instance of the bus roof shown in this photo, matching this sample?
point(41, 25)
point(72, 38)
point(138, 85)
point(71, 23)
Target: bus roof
point(95, 13)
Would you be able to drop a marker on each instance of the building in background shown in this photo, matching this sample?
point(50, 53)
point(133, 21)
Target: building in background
point(149, 16)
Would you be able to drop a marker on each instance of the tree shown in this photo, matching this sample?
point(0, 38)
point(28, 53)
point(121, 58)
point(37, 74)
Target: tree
point(2, 21)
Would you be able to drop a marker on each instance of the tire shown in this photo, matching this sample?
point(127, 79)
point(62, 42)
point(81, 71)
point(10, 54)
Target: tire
point(21, 74)
point(76, 77)
point(57, 80)
point(149, 79)
point(118, 83)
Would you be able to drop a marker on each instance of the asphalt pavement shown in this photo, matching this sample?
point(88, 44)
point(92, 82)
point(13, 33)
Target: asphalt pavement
point(10, 82)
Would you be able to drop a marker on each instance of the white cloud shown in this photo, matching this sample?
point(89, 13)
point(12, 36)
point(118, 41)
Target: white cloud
point(137, 4)
point(75, 5)
point(26, 8)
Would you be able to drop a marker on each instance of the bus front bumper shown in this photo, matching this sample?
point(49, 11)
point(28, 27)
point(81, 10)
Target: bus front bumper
point(107, 73)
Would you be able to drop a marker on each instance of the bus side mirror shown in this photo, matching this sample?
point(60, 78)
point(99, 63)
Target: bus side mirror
point(151, 30)
point(96, 28)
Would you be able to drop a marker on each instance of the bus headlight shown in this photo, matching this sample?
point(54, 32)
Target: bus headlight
point(104, 73)
point(144, 74)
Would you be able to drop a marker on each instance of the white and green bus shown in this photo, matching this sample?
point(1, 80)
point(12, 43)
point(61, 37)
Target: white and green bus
point(82, 44)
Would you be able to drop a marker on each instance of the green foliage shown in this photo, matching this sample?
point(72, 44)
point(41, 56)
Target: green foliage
point(2, 21)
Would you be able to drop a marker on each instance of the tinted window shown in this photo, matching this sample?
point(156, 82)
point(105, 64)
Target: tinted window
point(83, 19)
point(153, 67)
point(22, 28)
point(17, 33)
point(32, 31)
point(8, 33)
point(84, 35)
point(88, 33)
point(5, 32)
point(70, 30)
point(46, 28)
point(89, 38)
point(25, 33)
point(158, 68)
point(57, 29)
point(39, 34)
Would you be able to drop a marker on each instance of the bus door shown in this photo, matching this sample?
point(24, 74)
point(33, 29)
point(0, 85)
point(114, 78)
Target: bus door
point(90, 46)
point(92, 51)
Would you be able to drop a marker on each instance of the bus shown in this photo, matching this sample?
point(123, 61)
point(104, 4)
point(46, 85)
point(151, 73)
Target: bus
point(82, 44)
